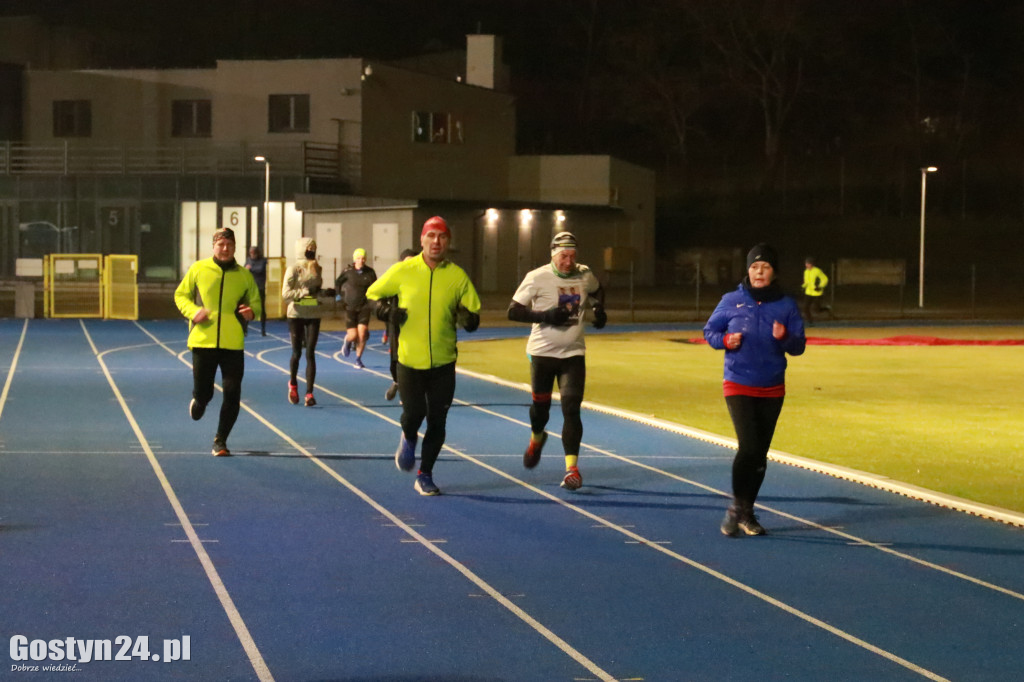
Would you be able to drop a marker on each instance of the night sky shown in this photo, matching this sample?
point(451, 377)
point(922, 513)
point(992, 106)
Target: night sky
point(742, 131)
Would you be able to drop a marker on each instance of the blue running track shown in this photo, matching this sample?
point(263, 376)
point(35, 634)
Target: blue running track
point(307, 556)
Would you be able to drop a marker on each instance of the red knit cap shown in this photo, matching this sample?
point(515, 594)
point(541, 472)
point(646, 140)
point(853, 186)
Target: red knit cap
point(436, 223)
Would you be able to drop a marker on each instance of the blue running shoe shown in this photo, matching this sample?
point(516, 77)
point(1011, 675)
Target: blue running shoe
point(425, 485)
point(405, 455)
point(346, 348)
point(359, 364)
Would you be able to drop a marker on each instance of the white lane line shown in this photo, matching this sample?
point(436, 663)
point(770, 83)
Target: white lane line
point(227, 603)
point(852, 539)
point(655, 545)
point(561, 644)
point(14, 366)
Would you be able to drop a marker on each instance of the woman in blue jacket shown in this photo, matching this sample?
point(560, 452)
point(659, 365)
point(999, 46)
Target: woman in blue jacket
point(756, 325)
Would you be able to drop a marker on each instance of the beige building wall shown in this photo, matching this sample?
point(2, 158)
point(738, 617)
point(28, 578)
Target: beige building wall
point(471, 165)
point(625, 189)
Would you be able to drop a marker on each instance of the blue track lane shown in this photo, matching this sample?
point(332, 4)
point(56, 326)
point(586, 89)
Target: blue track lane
point(308, 556)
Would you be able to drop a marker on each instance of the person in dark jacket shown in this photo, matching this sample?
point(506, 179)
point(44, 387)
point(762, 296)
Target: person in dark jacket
point(387, 312)
point(351, 285)
point(756, 325)
point(257, 265)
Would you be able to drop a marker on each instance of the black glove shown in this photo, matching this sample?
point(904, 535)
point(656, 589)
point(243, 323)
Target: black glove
point(600, 317)
point(555, 316)
point(469, 321)
point(384, 310)
point(399, 316)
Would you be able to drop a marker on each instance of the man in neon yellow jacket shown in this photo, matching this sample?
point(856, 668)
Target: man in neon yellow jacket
point(434, 295)
point(227, 294)
point(815, 281)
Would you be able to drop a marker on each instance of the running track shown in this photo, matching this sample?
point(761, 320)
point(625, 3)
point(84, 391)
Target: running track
point(308, 556)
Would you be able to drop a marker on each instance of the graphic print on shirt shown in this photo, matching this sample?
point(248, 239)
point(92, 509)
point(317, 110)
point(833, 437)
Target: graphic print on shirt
point(569, 297)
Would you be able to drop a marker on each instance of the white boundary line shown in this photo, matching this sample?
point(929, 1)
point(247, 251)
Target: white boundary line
point(871, 480)
point(228, 604)
point(430, 545)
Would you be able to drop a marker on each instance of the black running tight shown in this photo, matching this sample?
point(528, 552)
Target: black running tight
point(754, 420)
point(426, 393)
point(304, 333)
point(571, 374)
point(205, 362)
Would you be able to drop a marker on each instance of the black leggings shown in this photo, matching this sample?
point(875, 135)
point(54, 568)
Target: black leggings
point(205, 362)
point(572, 377)
point(304, 332)
point(754, 420)
point(426, 393)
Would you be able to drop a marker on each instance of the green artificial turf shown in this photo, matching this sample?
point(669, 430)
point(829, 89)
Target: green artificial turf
point(947, 418)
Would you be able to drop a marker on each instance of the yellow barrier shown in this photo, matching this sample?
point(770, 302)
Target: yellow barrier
point(121, 288)
point(275, 278)
point(91, 285)
point(73, 285)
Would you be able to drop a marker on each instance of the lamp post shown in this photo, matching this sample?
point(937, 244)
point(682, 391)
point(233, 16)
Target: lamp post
point(264, 240)
point(920, 265)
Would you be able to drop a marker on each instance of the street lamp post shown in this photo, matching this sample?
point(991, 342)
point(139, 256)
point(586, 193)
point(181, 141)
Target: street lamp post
point(920, 265)
point(266, 202)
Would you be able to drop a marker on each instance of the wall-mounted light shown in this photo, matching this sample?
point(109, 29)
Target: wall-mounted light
point(525, 218)
point(559, 216)
point(367, 71)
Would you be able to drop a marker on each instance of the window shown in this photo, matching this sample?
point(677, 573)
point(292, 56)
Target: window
point(436, 127)
point(288, 114)
point(191, 118)
point(72, 118)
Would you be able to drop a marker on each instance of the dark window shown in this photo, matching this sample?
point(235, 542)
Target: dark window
point(288, 113)
point(191, 118)
point(421, 126)
point(436, 127)
point(72, 118)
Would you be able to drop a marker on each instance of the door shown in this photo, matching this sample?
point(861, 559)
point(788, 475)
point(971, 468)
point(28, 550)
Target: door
point(385, 246)
point(328, 248)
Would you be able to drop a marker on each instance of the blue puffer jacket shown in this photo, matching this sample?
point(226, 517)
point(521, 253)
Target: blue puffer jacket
point(761, 359)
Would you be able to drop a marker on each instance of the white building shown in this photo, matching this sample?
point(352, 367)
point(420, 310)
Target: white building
point(359, 154)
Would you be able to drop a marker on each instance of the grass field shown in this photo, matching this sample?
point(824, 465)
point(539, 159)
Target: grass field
point(947, 418)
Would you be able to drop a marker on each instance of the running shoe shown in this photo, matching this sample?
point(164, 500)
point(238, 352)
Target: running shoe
point(573, 480)
point(424, 485)
point(293, 394)
point(730, 524)
point(749, 525)
point(405, 455)
point(346, 348)
point(392, 391)
point(384, 339)
point(220, 448)
point(196, 409)
point(359, 364)
point(532, 455)
point(310, 400)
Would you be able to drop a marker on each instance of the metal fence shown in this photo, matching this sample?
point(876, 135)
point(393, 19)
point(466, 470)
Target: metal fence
point(309, 159)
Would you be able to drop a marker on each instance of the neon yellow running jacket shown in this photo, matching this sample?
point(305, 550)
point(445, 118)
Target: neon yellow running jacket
point(221, 291)
point(431, 299)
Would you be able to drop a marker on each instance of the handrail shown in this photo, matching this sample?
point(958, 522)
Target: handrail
point(309, 159)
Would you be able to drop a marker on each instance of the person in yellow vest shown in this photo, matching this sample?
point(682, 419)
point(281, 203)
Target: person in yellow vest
point(815, 281)
point(227, 298)
point(435, 296)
